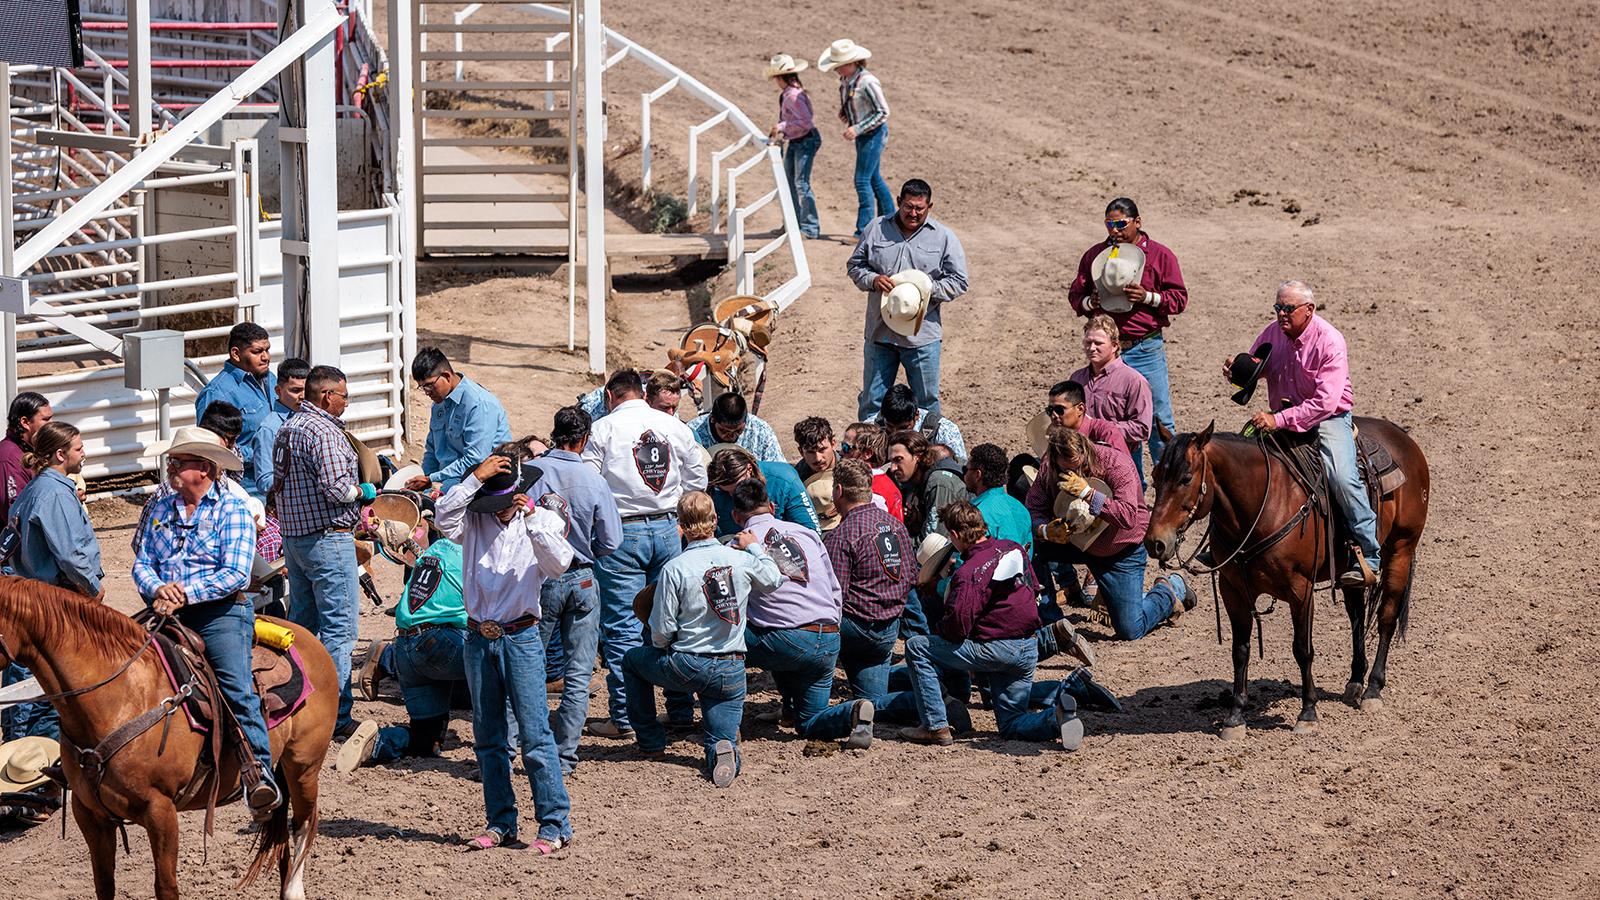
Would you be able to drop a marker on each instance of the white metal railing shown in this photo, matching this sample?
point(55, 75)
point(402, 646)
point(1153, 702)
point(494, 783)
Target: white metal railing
point(723, 112)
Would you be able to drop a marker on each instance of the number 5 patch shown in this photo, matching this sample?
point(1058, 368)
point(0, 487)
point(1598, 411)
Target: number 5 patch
point(789, 555)
point(720, 595)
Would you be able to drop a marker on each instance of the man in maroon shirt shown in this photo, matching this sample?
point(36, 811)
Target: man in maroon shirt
point(990, 615)
point(1152, 300)
point(29, 412)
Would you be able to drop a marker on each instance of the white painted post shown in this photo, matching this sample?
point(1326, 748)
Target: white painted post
point(644, 143)
point(405, 159)
point(311, 211)
point(594, 184)
point(8, 322)
point(139, 87)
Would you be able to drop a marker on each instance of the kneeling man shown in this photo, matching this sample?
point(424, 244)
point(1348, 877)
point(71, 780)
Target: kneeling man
point(990, 614)
point(697, 636)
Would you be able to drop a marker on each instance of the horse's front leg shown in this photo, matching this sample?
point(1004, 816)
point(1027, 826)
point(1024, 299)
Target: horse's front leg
point(1234, 599)
point(1355, 605)
point(160, 822)
point(101, 836)
point(1305, 615)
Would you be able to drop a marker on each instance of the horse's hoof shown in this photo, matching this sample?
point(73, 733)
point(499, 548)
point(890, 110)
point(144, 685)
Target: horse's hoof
point(1371, 704)
point(1304, 727)
point(1231, 732)
point(1352, 691)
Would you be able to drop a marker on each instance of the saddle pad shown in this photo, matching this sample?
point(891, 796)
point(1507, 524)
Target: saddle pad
point(1377, 455)
point(280, 677)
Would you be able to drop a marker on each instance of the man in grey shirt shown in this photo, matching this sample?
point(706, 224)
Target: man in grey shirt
point(909, 239)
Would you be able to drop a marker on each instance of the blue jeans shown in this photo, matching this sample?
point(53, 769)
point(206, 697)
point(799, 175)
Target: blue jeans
point(1134, 613)
point(229, 629)
point(1338, 446)
point(555, 652)
point(865, 649)
point(326, 594)
point(27, 719)
point(871, 189)
point(719, 682)
point(1149, 358)
point(797, 159)
point(880, 363)
point(569, 606)
point(429, 667)
point(1007, 665)
point(511, 668)
point(647, 545)
point(801, 662)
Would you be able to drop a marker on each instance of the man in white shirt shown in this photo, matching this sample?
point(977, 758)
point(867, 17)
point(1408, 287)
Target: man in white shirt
point(649, 459)
point(510, 547)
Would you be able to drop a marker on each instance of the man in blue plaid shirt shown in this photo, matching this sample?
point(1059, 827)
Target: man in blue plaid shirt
point(194, 559)
point(318, 496)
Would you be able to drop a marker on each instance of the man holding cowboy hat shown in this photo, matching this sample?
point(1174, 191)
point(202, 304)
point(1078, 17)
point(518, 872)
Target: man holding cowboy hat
point(910, 266)
point(1137, 282)
point(22, 765)
point(194, 561)
point(510, 547)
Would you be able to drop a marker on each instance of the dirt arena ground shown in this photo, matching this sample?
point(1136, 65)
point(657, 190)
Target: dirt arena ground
point(1428, 168)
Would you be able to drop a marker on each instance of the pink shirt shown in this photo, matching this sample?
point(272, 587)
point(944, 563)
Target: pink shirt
point(1311, 372)
point(1118, 395)
point(794, 111)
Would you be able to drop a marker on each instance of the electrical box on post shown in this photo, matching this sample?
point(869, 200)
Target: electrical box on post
point(152, 360)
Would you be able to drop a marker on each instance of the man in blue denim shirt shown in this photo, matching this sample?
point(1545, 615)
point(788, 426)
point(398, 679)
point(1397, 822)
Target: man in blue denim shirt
point(466, 425)
point(290, 391)
point(794, 629)
point(570, 602)
point(909, 239)
point(245, 381)
point(697, 636)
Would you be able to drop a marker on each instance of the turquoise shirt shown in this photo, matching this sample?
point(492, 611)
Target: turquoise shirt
point(1007, 519)
point(434, 593)
point(790, 502)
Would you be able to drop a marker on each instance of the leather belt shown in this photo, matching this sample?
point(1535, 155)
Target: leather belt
point(646, 517)
point(493, 630)
point(1129, 344)
point(821, 627)
point(415, 630)
point(578, 564)
point(735, 655)
point(343, 529)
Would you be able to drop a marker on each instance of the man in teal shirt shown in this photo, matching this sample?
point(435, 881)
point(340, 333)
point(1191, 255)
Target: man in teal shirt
point(245, 381)
point(790, 503)
point(427, 660)
point(985, 476)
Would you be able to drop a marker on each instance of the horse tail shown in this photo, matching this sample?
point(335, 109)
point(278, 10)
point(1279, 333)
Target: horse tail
point(272, 842)
point(1375, 601)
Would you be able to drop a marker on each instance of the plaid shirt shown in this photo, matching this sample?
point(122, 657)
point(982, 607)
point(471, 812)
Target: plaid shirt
point(875, 561)
point(317, 471)
point(209, 553)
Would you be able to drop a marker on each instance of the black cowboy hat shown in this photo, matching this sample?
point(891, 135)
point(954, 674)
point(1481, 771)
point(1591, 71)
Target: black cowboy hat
point(497, 493)
point(1246, 370)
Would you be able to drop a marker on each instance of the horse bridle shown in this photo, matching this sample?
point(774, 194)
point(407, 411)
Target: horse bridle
point(1188, 564)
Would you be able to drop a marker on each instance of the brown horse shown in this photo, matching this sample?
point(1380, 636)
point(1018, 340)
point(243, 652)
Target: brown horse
point(1266, 543)
point(71, 644)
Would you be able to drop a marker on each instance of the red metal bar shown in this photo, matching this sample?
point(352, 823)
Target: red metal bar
point(185, 64)
point(123, 107)
point(185, 26)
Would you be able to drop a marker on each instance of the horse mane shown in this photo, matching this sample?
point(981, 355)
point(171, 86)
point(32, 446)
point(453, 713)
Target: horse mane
point(59, 618)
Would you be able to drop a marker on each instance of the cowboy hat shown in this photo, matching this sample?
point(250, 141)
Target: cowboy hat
point(1065, 508)
point(644, 602)
point(192, 440)
point(819, 487)
point(933, 555)
point(22, 762)
point(904, 307)
point(394, 521)
point(1038, 430)
point(501, 489)
point(1246, 370)
point(840, 52)
point(1116, 267)
point(783, 64)
point(368, 467)
point(263, 569)
point(398, 480)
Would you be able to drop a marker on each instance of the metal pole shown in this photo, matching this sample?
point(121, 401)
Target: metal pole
point(164, 413)
point(7, 238)
point(405, 158)
point(311, 207)
point(594, 184)
point(139, 84)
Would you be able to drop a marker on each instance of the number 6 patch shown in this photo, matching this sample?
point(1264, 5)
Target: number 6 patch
point(653, 458)
point(890, 552)
point(720, 595)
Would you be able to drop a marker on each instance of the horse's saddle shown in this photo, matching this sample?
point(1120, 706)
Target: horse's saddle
point(279, 675)
point(1302, 452)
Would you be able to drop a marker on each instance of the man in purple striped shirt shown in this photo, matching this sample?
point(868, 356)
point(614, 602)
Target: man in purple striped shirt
point(1113, 390)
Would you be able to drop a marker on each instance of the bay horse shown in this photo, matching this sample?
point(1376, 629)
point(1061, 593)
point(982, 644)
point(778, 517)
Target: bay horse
point(74, 645)
point(1268, 538)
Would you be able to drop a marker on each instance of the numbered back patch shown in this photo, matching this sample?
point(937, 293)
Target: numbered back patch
point(425, 579)
point(558, 505)
point(720, 595)
point(891, 551)
point(789, 555)
point(654, 459)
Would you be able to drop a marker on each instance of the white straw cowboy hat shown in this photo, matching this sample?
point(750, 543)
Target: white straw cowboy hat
point(840, 52)
point(1116, 267)
point(22, 762)
point(783, 64)
point(904, 307)
point(1075, 510)
point(196, 441)
point(397, 481)
point(933, 555)
point(819, 487)
point(1037, 430)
